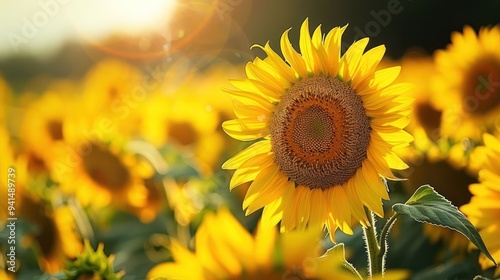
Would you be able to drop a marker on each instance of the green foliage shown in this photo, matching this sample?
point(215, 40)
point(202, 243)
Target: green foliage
point(92, 264)
point(428, 206)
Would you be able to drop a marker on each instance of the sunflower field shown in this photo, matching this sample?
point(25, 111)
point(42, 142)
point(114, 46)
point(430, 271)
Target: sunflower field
point(245, 139)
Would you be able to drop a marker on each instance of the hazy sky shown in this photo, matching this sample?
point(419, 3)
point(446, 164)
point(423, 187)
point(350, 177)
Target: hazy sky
point(39, 27)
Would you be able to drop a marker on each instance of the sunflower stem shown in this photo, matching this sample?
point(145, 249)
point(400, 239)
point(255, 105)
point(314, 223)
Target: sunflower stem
point(383, 239)
point(353, 270)
point(372, 247)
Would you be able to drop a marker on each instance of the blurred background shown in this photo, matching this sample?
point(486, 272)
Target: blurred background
point(96, 90)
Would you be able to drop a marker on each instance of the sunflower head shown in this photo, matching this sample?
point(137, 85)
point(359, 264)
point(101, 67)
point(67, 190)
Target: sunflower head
point(325, 125)
point(226, 250)
point(484, 206)
point(56, 238)
point(469, 75)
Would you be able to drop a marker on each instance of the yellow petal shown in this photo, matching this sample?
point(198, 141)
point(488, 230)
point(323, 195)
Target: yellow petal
point(277, 63)
point(265, 240)
point(289, 208)
point(318, 215)
point(257, 148)
point(269, 192)
point(267, 177)
point(368, 64)
point(292, 57)
point(332, 47)
point(357, 209)
point(272, 213)
point(250, 98)
point(384, 77)
point(340, 210)
point(303, 205)
point(249, 170)
point(305, 45)
point(247, 129)
point(242, 111)
point(352, 57)
point(367, 195)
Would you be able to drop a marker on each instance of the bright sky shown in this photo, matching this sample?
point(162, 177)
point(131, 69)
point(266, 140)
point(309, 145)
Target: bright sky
point(39, 27)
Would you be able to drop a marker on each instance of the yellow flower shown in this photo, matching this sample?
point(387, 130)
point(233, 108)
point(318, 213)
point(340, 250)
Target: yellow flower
point(226, 250)
point(184, 199)
point(483, 208)
point(470, 80)
point(433, 159)
point(112, 95)
point(101, 172)
point(189, 117)
point(6, 162)
point(326, 127)
point(43, 127)
point(56, 238)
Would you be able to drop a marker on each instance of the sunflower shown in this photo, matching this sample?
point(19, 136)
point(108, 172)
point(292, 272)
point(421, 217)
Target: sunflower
point(42, 128)
point(189, 117)
point(56, 237)
point(325, 124)
point(483, 208)
point(112, 94)
point(106, 173)
point(226, 250)
point(469, 71)
point(185, 199)
point(6, 162)
point(434, 160)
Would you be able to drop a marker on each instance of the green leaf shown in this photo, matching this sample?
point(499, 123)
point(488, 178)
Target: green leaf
point(428, 206)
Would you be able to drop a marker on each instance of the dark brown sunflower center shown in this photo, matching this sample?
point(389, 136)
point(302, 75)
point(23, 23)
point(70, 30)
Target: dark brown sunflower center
point(430, 118)
point(55, 129)
point(320, 132)
point(106, 169)
point(482, 88)
point(183, 133)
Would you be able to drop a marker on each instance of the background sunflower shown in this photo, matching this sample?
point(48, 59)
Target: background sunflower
point(133, 76)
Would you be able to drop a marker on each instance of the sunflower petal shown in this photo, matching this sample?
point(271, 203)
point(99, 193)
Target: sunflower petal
point(292, 57)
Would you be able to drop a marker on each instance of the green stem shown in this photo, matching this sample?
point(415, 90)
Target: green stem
point(353, 270)
point(383, 239)
point(372, 246)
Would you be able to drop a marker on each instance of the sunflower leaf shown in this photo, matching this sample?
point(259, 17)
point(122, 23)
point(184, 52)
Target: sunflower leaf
point(428, 206)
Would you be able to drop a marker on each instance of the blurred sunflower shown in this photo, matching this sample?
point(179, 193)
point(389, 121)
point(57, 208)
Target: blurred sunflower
point(56, 238)
point(185, 120)
point(469, 71)
point(6, 162)
point(42, 128)
point(106, 173)
point(185, 199)
point(226, 250)
point(433, 159)
point(326, 124)
point(112, 95)
point(484, 207)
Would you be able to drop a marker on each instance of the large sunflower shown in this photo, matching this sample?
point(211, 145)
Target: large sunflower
point(470, 76)
point(326, 126)
point(484, 208)
point(226, 250)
